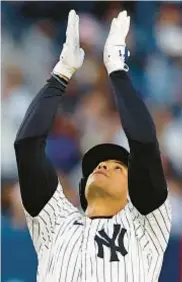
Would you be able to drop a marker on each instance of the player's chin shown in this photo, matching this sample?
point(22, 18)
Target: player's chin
point(94, 183)
point(98, 180)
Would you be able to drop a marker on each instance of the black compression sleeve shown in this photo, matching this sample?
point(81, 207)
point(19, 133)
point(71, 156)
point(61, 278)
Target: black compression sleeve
point(147, 185)
point(37, 178)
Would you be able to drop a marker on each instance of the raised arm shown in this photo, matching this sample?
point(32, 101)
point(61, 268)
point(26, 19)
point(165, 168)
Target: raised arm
point(38, 180)
point(147, 185)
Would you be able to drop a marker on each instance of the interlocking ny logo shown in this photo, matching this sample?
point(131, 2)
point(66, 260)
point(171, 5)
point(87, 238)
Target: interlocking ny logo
point(104, 239)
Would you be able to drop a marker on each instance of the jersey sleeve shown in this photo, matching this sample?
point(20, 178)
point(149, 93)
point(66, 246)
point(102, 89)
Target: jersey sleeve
point(42, 227)
point(157, 226)
point(154, 228)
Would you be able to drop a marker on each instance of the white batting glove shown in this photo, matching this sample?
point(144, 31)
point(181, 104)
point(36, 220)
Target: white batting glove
point(115, 51)
point(72, 56)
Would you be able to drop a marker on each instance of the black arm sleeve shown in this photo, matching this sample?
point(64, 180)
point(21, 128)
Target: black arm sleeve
point(146, 181)
point(37, 178)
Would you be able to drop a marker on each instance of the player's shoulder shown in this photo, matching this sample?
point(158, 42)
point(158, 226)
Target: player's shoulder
point(164, 210)
point(164, 207)
point(132, 215)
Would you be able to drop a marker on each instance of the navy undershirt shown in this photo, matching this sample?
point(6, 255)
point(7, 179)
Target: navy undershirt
point(37, 177)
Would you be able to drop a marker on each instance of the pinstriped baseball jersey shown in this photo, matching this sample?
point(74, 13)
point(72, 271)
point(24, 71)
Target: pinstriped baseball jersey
point(128, 247)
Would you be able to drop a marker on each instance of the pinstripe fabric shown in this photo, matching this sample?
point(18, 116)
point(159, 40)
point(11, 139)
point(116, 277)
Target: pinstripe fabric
point(67, 250)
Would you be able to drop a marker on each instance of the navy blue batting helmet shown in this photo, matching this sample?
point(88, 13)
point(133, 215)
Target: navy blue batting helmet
point(93, 157)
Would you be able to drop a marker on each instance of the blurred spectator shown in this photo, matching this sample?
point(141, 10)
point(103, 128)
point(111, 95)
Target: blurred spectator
point(38, 51)
point(12, 204)
point(168, 30)
point(63, 145)
point(91, 32)
point(15, 101)
point(172, 143)
point(164, 67)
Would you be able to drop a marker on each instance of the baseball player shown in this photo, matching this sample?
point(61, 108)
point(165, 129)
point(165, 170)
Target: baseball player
point(124, 230)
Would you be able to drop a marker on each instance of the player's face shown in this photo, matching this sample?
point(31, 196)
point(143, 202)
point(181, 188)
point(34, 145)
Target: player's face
point(109, 178)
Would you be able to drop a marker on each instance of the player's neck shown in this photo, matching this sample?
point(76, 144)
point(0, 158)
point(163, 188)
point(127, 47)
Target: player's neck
point(104, 208)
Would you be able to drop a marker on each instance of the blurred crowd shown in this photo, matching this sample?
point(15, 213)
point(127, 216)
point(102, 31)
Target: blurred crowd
point(32, 38)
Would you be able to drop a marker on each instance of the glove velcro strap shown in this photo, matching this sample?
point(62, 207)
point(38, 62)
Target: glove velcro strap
point(61, 80)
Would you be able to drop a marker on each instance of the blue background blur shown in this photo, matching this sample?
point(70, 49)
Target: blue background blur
point(32, 38)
